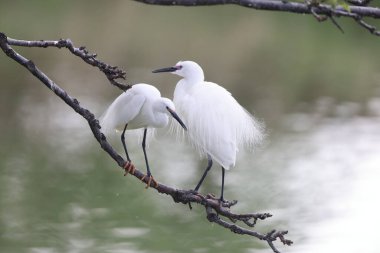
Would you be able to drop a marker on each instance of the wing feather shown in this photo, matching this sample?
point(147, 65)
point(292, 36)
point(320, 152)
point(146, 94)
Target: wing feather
point(217, 124)
point(123, 109)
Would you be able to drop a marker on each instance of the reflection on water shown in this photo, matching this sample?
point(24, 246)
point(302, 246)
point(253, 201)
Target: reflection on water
point(319, 178)
point(335, 186)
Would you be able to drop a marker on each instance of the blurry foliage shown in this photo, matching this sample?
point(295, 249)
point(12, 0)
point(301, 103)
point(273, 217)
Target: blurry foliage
point(270, 61)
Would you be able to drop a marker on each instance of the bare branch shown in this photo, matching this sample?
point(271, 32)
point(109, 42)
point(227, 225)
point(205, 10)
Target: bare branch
point(112, 72)
point(214, 208)
point(270, 237)
point(355, 12)
point(372, 29)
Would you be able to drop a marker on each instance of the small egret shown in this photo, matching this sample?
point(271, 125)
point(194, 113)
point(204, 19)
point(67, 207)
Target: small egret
point(217, 124)
point(139, 107)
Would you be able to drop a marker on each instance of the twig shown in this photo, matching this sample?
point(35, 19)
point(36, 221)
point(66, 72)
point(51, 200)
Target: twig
point(336, 23)
point(112, 72)
point(355, 12)
point(270, 237)
point(372, 29)
point(318, 17)
point(213, 207)
point(359, 2)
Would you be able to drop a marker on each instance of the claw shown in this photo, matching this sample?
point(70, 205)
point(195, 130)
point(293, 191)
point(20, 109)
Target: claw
point(212, 196)
point(222, 202)
point(226, 203)
point(129, 168)
point(150, 180)
point(195, 193)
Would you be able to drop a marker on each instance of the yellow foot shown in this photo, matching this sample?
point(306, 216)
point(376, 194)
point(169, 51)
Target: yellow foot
point(150, 180)
point(129, 168)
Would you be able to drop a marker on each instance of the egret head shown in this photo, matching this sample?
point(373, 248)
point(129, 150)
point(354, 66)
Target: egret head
point(165, 105)
point(186, 69)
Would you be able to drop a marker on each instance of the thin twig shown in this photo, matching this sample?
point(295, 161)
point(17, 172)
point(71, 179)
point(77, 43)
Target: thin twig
point(112, 72)
point(213, 206)
point(359, 2)
point(336, 23)
point(318, 17)
point(372, 29)
point(270, 237)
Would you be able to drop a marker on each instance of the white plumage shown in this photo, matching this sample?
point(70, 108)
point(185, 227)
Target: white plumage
point(217, 124)
point(139, 107)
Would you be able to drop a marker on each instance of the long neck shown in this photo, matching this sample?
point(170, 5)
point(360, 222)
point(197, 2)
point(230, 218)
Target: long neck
point(191, 79)
point(182, 88)
point(161, 118)
point(186, 84)
point(194, 77)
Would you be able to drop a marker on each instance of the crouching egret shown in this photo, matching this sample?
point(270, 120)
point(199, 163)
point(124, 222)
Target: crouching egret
point(217, 124)
point(139, 107)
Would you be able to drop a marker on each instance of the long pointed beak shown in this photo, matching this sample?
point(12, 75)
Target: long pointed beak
point(176, 117)
point(169, 69)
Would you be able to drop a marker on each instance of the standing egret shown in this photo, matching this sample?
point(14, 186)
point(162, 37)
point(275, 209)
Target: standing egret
point(139, 107)
point(218, 124)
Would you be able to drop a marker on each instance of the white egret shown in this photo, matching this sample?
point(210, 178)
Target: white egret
point(139, 107)
point(217, 124)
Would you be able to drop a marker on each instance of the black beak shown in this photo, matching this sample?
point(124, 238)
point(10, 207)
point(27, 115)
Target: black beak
point(175, 115)
point(169, 69)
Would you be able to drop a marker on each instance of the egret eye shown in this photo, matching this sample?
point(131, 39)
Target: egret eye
point(179, 67)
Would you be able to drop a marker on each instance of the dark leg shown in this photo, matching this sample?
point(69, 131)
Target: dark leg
point(128, 167)
point(148, 174)
point(146, 158)
point(209, 164)
point(221, 194)
point(123, 141)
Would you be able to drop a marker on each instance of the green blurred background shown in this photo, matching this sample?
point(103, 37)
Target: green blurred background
point(316, 89)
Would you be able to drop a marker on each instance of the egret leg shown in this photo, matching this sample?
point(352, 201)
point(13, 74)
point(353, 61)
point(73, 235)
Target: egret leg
point(146, 158)
point(221, 194)
point(123, 141)
point(209, 165)
point(148, 174)
point(128, 167)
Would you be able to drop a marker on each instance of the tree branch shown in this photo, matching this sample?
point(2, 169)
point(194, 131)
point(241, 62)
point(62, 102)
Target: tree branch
point(309, 7)
point(214, 209)
point(112, 72)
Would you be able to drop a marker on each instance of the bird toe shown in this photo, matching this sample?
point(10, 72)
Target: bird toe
point(226, 203)
point(129, 168)
point(150, 181)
